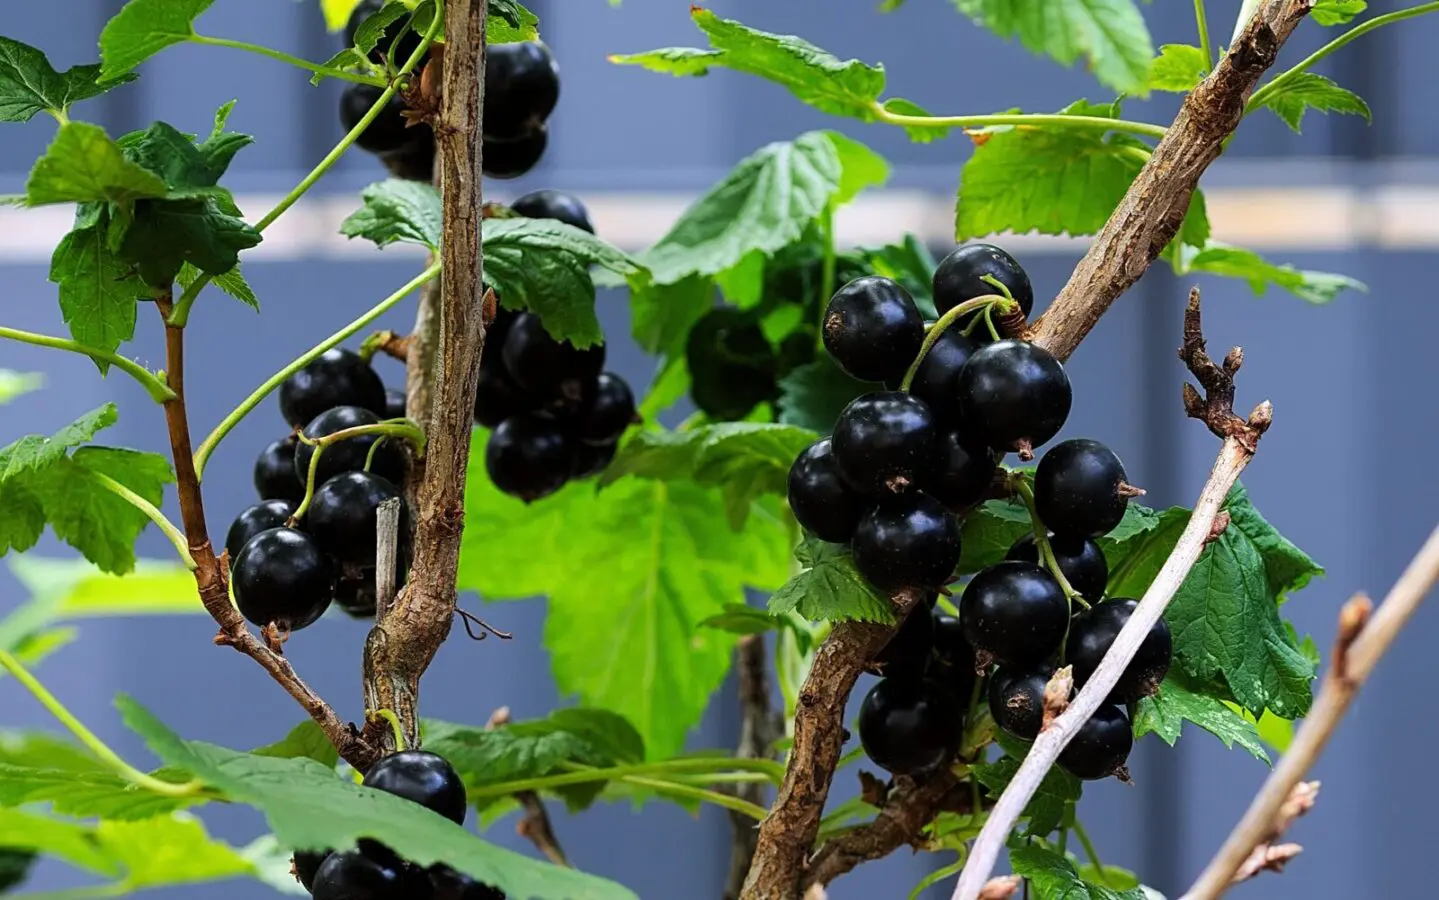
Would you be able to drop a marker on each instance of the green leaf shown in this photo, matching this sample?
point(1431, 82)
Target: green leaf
point(739, 618)
point(510, 22)
point(661, 315)
point(16, 384)
point(919, 132)
point(305, 741)
point(84, 794)
point(1303, 91)
point(1180, 701)
point(1110, 34)
point(372, 29)
point(75, 589)
point(30, 85)
point(814, 394)
point(1052, 877)
point(1235, 262)
point(830, 588)
point(232, 282)
point(82, 164)
point(73, 843)
point(397, 210)
point(166, 234)
point(1177, 68)
point(989, 531)
point(1336, 12)
point(189, 169)
point(98, 293)
point(680, 61)
point(908, 262)
point(1046, 808)
point(143, 28)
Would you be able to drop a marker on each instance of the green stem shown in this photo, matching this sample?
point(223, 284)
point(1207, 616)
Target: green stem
point(585, 775)
point(284, 57)
point(1264, 93)
point(1034, 120)
point(402, 428)
point(176, 536)
point(1088, 846)
point(1205, 47)
point(1041, 540)
point(827, 270)
point(207, 447)
point(158, 390)
point(722, 778)
point(1065, 823)
point(101, 750)
point(758, 813)
point(951, 316)
point(399, 730)
point(61, 117)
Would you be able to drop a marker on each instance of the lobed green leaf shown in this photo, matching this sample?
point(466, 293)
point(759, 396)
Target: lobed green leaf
point(1300, 92)
point(1336, 12)
point(1180, 700)
point(1053, 877)
point(143, 28)
point(1178, 68)
point(830, 588)
point(30, 85)
point(1235, 262)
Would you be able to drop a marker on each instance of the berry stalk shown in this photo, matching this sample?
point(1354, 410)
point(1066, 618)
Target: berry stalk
point(281, 56)
point(932, 336)
point(175, 536)
point(1021, 487)
point(153, 385)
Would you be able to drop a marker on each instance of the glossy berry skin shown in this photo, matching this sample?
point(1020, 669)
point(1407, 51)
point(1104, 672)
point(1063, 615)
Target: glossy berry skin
point(422, 777)
point(954, 661)
point(960, 277)
point(356, 596)
point(338, 377)
point(394, 403)
point(1100, 747)
point(511, 159)
point(732, 365)
point(883, 442)
point(1013, 395)
point(409, 39)
point(352, 875)
point(275, 472)
point(558, 205)
point(1076, 488)
point(872, 328)
point(307, 864)
point(498, 398)
point(343, 514)
point(909, 726)
point(592, 459)
point(522, 86)
point(1080, 559)
point(961, 475)
point(447, 884)
point(282, 576)
point(262, 516)
point(820, 499)
point(549, 368)
point(388, 132)
point(1016, 700)
point(908, 653)
point(1092, 633)
point(936, 382)
point(610, 410)
point(1016, 612)
point(530, 456)
point(909, 541)
point(350, 454)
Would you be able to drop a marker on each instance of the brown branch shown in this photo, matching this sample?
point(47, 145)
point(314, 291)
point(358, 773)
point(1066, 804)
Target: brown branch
point(1269, 856)
point(534, 826)
point(211, 577)
point(1361, 642)
point(441, 391)
point(760, 726)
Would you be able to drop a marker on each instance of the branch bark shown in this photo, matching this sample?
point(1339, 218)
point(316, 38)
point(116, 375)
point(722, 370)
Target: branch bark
point(760, 726)
point(404, 640)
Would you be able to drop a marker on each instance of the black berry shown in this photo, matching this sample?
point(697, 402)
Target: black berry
point(1077, 488)
point(820, 499)
point(447, 884)
point(522, 86)
point(872, 328)
point(592, 459)
point(960, 277)
point(558, 205)
point(954, 662)
point(907, 653)
point(338, 377)
point(422, 777)
point(262, 516)
point(883, 442)
point(388, 131)
point(416, 160)
point(909, 726)
point(549, 368)
point(608, 412)
point(530, 456)
point(307, 863)
point(1013, 395)
point(1016, 700)
point(343, 514)
point(497, 397)
point(1015, 612)
point(275, 472)
point(732, 365)
point(908, 541)
point(1080, 559)
point(1092, 633)
point(356, 596)
point(396, 30)
point(936, 381)
point(962, 474)
point(511, 159)
point(394, 403)
point(1100, 746)
point(349, 455)
point(353, 875)
point(282, 576)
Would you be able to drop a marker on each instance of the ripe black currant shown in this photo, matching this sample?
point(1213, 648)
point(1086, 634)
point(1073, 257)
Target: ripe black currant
point(962, 474)
point(559, 205)
point(732, 365)
point(954, 662)
point(1013, 395)
point(422, 777)
point(610, 410)
point(394, 403)
point(530, 456)
point(307, 863)
point(282, 576)
point(872, 328)
point(396, 30)
point(388, 132)
point(353, 875)
point(960, 277)
point(907, 653)
point(1016, 700)
point(522, 86)
point(447, 884)
point(592, 459)
point(275, 472)
point(338, 377)
point(349, 455)
point(498, 398)
point(1078, 488)
point(1080, 559)
point(1015, 612)
point(416, 160)
point(549, 368)
point(884, 442)
point(262, 516)
point(1092, 633)
point(343, 514)
point(936, 382)
point(909, 726)
point(1100, 746)
point(356, 596)
point(819, 497)
point(908, 541)
point(511, 159)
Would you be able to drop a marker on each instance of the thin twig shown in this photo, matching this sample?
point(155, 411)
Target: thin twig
point(534, 826)
point(760, 726)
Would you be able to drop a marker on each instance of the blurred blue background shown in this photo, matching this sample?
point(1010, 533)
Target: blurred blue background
point(1343, 471)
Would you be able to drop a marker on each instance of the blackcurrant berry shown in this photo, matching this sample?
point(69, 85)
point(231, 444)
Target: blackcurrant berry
point(498, 398)
point(908, 541)
point(1078, 488)
point(1015, 612)
point(909, 726)
point(349, 455)
point(262, 516)
point(395, 401)
point(282, 576)
point(352, 875)
point(522, 86)
point(356, 596)
point(1016, 700)
point(275, 472)
point(609, 411)
point(422, 777)
point(884, 442)
point(1092, 633)
point(1080, 559)
point(511, 159)
point(820, 499)
point(907, 653)
point(416, 160)
point(388, 132)
point(962, 474)
point(549, 368)
point(960, 277)
point(306, 864)
point(397, 30)
point(448, 884)
point(338, 377)
point(936, 381)
point(530, 456)
point(343, 514)
point(1013, 395)
point(558, 205)
point(954, 662)
point(732, 365)
point(592, 459)
point(872, 328)
point(1100, 746)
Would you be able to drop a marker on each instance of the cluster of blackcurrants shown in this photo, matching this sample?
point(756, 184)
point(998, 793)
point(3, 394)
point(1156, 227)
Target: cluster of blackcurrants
point(522, 86)
point(286, 571)
point(374, 872)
